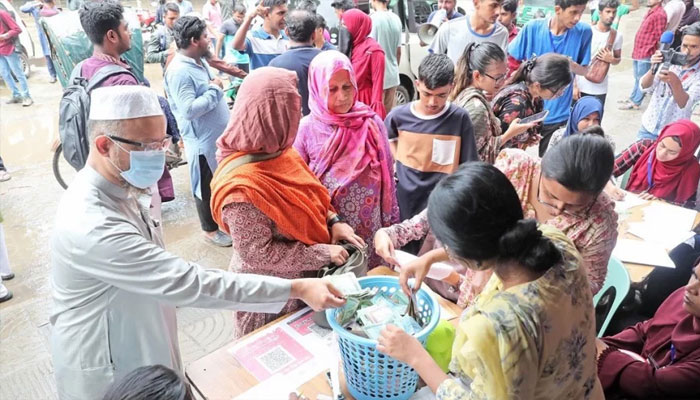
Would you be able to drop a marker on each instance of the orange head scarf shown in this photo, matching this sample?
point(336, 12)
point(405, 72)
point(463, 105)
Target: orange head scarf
point(265, 119)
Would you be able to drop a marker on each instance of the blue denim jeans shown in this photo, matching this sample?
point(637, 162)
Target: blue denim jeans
point(50, 66)
point(645, 134)
point(640, 68)
point(12, 64)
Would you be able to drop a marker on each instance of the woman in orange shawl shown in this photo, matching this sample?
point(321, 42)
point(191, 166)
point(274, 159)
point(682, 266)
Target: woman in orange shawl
point(277, 212)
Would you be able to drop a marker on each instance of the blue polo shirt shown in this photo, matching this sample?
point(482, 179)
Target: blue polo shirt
point(536, 39)
point(262, 47)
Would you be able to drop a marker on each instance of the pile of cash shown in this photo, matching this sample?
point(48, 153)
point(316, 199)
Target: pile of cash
point(368, 311)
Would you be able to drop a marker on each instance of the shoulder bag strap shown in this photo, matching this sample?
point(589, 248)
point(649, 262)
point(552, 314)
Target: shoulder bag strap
point(247, 159)
point(611, 39)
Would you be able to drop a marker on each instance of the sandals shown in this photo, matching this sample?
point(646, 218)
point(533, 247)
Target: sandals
point(628, 106)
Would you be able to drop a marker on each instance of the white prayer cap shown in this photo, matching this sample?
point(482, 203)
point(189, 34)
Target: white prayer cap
point(123, 102)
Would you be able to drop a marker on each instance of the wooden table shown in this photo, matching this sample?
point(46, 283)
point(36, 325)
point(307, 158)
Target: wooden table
point(219, 376)
point(639, 271)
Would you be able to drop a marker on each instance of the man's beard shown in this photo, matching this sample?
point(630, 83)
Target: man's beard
point(692, 61)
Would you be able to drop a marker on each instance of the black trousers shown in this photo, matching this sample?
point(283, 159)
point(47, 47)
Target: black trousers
point(546, 133)
point(2, 165)
point(600, 97)
point(204, 204)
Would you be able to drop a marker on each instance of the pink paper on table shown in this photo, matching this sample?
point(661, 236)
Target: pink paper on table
point(270, 354)
point(302, 323)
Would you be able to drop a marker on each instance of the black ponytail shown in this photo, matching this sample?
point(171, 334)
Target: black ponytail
point(476, 57)
point(525, 243)
point(551, 71)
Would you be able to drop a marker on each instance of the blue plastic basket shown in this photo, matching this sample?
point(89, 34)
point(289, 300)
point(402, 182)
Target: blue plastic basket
point(370, 374)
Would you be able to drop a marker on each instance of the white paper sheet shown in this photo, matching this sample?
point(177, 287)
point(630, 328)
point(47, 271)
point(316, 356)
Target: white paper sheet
point(639, 252)
point(630, 200)
point(668, 217)
point(658, 235)
point(277, 387)
point(334, 367)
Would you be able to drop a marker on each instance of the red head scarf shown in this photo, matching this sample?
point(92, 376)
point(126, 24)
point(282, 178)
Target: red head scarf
point(359, 26)
point(675, 180)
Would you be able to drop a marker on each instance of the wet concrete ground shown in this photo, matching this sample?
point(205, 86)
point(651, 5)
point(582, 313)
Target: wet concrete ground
point(29, 200)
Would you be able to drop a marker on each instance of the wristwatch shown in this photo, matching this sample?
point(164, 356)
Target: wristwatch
point(334, 220)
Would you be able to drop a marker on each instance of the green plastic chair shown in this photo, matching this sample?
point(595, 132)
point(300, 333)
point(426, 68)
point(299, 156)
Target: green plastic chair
point(617, 283)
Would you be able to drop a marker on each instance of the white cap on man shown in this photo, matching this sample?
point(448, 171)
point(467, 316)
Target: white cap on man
point(123, 102)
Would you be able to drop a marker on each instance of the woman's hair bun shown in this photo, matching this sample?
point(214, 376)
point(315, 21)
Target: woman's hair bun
point(524, 242)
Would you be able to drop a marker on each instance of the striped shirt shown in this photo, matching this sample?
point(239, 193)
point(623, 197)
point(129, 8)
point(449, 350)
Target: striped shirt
point(262, 47)
point(428, 148)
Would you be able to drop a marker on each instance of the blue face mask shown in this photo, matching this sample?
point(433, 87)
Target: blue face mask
point(146, 167)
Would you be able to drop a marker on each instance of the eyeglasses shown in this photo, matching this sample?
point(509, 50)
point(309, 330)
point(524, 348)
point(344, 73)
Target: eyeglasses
point(159, 145)
point(578, 211)
point(499, 79)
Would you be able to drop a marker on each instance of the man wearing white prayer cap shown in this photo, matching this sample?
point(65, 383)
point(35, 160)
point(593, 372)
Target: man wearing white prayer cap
point(115, 287)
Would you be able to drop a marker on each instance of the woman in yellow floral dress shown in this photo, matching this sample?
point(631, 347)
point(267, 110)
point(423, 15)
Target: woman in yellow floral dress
point(530, 334)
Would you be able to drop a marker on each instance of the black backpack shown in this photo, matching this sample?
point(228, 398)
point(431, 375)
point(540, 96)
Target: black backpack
point(74, 110)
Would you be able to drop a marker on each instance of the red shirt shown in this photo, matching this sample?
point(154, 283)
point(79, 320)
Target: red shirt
point(677, 375)
point(513, 63)
point(647, 39)
point(8, 25)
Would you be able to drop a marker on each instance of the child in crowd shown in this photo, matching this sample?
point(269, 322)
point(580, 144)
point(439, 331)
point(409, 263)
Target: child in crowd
point(429, 137)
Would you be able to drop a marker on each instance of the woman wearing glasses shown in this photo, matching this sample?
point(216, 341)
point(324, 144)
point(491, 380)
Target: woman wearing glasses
point(564, 190)
point(539, 78)
point(481, 72)
point(531, 332)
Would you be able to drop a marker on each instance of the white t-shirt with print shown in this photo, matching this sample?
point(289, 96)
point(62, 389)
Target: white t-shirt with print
point(598, 42)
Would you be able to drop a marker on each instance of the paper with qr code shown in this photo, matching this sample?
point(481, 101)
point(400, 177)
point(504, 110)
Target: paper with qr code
point(274, 352)
point(293, 350)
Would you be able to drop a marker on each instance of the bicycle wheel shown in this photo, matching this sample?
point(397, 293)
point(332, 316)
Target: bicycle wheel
point(57, 161)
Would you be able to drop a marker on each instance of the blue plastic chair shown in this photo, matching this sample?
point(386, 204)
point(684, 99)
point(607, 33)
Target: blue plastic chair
point(617, 281)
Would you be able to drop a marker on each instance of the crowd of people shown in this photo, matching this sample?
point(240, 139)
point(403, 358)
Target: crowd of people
point(315, 156)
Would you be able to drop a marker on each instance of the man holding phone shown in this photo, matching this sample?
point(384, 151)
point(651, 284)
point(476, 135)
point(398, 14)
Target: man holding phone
point(268, 41)
point(675, 89)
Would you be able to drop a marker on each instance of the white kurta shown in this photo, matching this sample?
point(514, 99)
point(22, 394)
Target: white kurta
point(115, 289)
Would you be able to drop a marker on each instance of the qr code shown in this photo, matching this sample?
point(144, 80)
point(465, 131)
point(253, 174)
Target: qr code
point(275, 359)
point(320, 331)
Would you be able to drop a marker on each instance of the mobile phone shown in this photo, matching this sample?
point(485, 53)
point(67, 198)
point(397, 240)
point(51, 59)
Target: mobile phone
point(540, 116)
